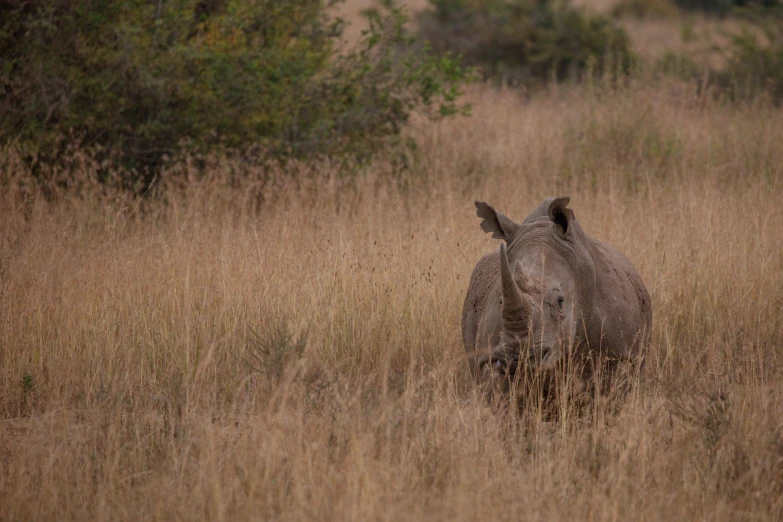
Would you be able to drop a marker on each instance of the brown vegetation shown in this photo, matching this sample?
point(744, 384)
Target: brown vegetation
point(207, 357)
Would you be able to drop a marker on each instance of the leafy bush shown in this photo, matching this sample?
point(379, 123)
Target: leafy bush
point(751, 64)
point(141, 81)
point(718, 7)
point(645, 9)
point(755, 58)
point(526, 40)
point(680, 65)
point(723, 7)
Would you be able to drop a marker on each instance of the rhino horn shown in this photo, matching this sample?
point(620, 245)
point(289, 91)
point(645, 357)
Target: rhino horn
point(516, 305)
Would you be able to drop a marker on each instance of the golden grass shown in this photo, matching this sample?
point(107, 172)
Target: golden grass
point(129, 390)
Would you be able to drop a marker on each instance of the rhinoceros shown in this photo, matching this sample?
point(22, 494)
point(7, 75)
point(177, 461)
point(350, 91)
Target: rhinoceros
point(552, 297)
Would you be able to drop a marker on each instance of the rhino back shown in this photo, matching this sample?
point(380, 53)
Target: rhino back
point(482, 304)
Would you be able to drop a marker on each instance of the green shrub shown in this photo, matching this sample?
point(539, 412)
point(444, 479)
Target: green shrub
point(679, 65)
point(524, 41)
point(142, 81)
point(751, 65)
point(645, 9)
point(755, 58)
point(717, 7)
point(723, 7)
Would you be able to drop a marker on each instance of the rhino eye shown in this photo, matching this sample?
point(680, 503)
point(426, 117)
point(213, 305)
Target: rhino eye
point(560, 302)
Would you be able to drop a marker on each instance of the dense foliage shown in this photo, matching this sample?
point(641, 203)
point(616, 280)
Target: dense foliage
point(723, 7)
point(526, 40)
point(755, 56)
point(141, 81)
point(750, 61)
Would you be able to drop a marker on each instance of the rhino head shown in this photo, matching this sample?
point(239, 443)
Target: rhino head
point(545, 277)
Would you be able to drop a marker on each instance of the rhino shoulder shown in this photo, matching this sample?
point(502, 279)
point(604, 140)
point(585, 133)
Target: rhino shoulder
point(483, 283)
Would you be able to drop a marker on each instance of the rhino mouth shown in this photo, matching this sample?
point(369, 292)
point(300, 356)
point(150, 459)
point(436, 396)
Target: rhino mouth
point(544, 360)
point(505, 365)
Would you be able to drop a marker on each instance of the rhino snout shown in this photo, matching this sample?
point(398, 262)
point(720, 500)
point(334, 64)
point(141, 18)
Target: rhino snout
point(504, 364)
point(548, 359)
point(542, 360)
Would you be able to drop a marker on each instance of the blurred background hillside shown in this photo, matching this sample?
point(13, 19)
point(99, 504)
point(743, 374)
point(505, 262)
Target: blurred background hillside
point(137, 85)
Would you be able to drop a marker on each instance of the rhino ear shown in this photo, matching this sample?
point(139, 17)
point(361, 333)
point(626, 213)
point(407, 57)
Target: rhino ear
point(495, 222)
point(560, 215)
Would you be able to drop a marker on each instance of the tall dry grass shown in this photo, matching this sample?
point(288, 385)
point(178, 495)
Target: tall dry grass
point(149, 351)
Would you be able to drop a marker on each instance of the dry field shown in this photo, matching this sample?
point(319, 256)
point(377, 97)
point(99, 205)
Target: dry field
point(150, 364)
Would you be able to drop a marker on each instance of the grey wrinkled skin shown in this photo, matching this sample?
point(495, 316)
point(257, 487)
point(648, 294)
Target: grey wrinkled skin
point(562, 299)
